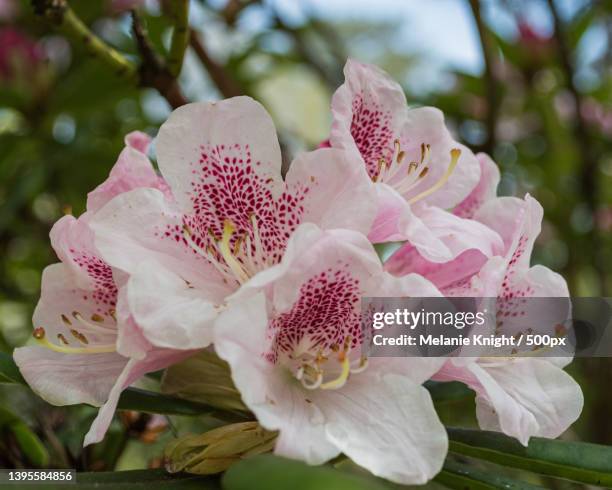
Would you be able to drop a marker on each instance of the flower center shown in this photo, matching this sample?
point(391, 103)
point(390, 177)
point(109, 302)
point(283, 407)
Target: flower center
point(404, 176)
point(237, 258)
point(327, 371)
point(76, 329)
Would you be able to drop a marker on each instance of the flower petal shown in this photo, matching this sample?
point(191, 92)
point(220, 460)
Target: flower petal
point(213, 143)
point(526, 397)
point(425, 126)
point(484, 191)
point(169, 312)
point(133, 370)
point(142, 225)
point(368, 111)
point(388, 425)
point(68, 379)
point(132, 170)
point(340, 193)
point(264, 387)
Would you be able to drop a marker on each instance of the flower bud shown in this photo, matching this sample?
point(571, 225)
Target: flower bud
point(216, 450)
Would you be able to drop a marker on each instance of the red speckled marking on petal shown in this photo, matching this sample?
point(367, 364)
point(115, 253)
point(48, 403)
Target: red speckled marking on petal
point(225, 186)
point(104, 293)
point(371, 130)
point(326, 312)
point(511, 298)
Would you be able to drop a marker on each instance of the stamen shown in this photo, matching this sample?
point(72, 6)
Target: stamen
point(96, 327)
point(362, 366)
point(344, 374)
point(226, 252)
point(40, 335)
point(455, 153)
point(316, 384)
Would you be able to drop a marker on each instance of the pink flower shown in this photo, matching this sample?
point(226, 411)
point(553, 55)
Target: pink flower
point(519, 396)
point(90, 348)
point(230, 218)
point(300, 370)
point(418, 168)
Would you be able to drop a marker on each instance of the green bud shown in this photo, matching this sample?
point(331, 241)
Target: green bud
point(216, 450)
point(203, 378)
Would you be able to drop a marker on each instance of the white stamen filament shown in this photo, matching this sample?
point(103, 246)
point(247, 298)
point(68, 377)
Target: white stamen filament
point(455, 153)
point(312, 369)
point(240, 262)
point(40, 336)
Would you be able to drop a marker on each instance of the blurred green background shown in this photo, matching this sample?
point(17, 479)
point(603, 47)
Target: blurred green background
point(528, 81)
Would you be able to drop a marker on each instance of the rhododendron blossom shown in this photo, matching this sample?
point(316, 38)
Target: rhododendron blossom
point(230, 216)
point(86, 334)
point(418, 168)
point(520, 396)
point(300, 369)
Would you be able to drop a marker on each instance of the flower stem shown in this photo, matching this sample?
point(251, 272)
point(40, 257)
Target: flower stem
point(180, 36)
point(60, 14)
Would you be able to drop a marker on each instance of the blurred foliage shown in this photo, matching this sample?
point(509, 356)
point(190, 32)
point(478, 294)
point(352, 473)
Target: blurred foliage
point(543, 113)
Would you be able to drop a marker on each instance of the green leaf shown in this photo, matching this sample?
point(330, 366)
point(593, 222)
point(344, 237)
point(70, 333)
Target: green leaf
point(268, 472)
point(447, 391)
point(464, 477)
point(30, 444)
point(151, 402)
point(576, 461)
point(9, 372)
point(134, 480)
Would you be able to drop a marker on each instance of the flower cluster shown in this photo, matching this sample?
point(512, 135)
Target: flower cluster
point(222, 251)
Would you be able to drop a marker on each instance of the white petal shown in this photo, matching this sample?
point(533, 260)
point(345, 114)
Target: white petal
point(388, 425)
point(526, 397)
point(196, 129)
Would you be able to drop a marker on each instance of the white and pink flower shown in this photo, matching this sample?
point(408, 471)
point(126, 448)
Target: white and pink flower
point(90, 347)
point(418, 168)
point(300, 369)
point(230, 217)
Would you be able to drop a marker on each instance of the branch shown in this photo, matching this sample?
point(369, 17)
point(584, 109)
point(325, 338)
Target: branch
point(492, 89)
point(152, 71)
point(61, 15)
point(179, 11)
point(221, 78)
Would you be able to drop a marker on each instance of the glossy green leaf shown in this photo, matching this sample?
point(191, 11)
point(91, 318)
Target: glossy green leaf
point(576, 461)
point(134, 480)
point(268, 472)
point(464, 477)
point(447, 391)
point(9, 372)
point(150, 402)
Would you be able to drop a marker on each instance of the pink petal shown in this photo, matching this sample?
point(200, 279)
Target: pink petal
point(484, 191)
point(68, 379)
point(368, 111)
point(156, 360)
point(132, 170)
point(209, 149)
point(425, 125)
point(139, 141)
point(339, 193)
